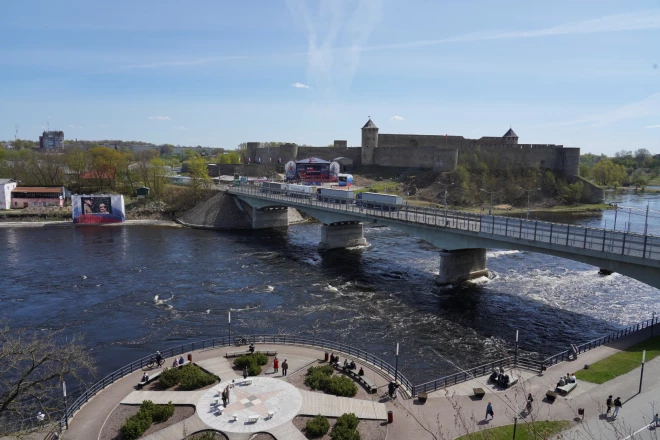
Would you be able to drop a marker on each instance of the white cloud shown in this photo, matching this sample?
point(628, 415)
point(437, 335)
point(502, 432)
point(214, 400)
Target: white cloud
point(630, 21)
point(300, 86)
point(160, 118)
point(653, 126)
point(397, 118)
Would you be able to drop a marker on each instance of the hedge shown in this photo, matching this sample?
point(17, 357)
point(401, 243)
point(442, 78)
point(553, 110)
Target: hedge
point(149, 412)
point(190, 377)
point(253, 362)
point(317, 427)
point(321, 378)
point(346, 428)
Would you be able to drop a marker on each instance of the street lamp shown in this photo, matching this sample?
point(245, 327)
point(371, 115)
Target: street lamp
point(396, 364)
point(490, 211)
point(445, 187)
point(528, 191)
point(66, 410)
point(229, 322)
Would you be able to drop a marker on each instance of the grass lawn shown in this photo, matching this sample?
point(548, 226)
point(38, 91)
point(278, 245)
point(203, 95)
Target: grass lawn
point(524, 431)
point(621, 362)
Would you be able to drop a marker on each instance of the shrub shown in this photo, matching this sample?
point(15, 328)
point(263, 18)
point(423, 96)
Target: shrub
point(253, 363)
point(346, 428)
point(169, 377)
point(318, 378)
point(149, 412)
point(342, 386)
point(317, 427)
point(193, 378)
point(348, 420)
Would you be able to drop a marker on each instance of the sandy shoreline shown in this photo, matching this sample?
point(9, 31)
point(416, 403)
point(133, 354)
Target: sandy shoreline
point(63, 224)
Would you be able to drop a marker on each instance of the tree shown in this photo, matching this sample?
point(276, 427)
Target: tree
point(166, 149)
point(33, 364)
point(585, 171)
point(642, 154)
point(199, 175)
point(623, 154)
point(157, 177)
point(77, 160)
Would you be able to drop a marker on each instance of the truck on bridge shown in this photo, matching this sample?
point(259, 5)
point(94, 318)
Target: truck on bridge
point(300, 191)
point(335, 195)
point(384, 202)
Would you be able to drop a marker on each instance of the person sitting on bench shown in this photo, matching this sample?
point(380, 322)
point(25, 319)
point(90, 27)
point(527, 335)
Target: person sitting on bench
point(505, 382)
point(346, 364)
point(175, 363)
point(182, 360)
point(251, 348)
point(145, 377)
point(352, 365)
point(494, 375)
point(573, 378)
point(361, 372)
point(562, 382)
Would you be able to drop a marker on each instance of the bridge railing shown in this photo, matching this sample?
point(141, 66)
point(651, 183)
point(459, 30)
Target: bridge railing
point(596, 239)
point(225, 341)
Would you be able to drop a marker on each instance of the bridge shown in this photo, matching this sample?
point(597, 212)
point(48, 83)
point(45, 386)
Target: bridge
point(464, 237)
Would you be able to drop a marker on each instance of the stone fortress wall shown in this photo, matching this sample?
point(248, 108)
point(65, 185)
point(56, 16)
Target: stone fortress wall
point(439, 153)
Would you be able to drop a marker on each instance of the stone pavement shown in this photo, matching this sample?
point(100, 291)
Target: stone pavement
point(411, 418)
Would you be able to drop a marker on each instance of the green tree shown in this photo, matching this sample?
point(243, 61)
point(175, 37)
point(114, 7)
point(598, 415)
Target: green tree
point(585, 171)
point(77, 161)
point(199, 175)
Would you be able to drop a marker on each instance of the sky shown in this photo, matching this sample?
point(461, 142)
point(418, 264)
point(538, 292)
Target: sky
point(217, 73)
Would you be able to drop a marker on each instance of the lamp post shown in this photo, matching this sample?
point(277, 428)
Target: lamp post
point(490, 211)
point(229, 322)
point(641, 374)
point(528, 191)
point(515, 422)
point(515, 356)
point(66, 409)
point(396, 363)
point(652, 322)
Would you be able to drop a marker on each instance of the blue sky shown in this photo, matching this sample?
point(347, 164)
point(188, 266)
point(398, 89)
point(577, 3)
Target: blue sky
point(583, 74)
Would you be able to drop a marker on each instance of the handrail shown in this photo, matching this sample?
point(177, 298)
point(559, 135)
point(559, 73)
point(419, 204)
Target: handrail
point(646, 247)
point(224, 341)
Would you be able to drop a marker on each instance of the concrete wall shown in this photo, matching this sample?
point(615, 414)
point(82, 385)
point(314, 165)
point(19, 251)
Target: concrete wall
point(329, 153)
point(19, 203)
point(590, 193)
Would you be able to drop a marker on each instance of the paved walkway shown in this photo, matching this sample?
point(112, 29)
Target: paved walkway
point(412, 419)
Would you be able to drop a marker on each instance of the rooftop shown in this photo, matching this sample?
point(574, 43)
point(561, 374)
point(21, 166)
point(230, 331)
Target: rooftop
point(38, 189)
point(370, 124)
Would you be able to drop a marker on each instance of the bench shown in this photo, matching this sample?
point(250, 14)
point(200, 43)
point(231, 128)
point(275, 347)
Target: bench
point(245, 382)
point(253, 419)
point(151, 379)
point(368, 384)
point(271, 414)
point(564, 390)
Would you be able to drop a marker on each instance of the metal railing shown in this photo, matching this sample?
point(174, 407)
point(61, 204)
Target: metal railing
point(224, 341)
point(564, 355)
point(646, 247)
point(528, 364)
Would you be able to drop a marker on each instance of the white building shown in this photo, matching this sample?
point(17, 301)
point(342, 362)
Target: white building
point(52, 140)
point(6, 186)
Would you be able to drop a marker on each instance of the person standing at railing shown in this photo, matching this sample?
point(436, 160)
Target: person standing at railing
point(285, 367)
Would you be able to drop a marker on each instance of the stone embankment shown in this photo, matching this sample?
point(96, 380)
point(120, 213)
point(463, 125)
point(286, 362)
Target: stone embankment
point(222, 211)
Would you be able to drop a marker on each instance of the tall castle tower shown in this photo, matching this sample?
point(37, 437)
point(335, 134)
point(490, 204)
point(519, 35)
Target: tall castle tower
point(369, 142)
point(510, 137)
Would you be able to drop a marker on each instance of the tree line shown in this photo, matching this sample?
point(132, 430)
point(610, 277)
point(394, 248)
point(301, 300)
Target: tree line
point(625, 168)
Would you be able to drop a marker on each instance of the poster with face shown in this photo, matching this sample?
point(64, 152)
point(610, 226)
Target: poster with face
point(98, 208)
point(96, 205)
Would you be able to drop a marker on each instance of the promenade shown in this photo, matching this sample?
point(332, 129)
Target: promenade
point(446, 413)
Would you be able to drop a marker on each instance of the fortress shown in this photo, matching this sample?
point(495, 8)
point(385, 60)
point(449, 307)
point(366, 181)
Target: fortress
point(439, 153)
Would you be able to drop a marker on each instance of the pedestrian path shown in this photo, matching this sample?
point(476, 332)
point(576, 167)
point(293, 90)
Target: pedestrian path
point(219, 366)
point(333, 406)
point(164, 397)
point(287, 431)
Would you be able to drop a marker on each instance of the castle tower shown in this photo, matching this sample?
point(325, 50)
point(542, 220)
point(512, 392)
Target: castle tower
point(369, 142)
point(510, 137)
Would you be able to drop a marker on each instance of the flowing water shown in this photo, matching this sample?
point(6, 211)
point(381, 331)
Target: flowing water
point(101, 281)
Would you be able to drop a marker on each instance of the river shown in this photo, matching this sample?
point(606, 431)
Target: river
point(101, 282)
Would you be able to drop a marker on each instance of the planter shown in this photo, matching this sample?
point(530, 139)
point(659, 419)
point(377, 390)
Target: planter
point(479, 392)
point(422, 397)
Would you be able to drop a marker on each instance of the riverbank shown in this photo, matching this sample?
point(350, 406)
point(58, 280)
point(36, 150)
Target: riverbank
point(509, 210)
point(55, 223)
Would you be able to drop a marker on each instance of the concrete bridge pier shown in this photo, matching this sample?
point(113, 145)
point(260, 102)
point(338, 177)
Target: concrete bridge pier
point(342, 235)
point(271, 217)
point(461, 265)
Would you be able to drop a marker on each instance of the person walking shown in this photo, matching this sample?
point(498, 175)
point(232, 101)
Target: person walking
point(285, 367)
point(489, 411)
point(245, 373)
point(276, 364)
point(609, 402)
point(224, 397)
point(617, 406)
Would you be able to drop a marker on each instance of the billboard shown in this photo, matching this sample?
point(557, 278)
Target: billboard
point(334, 170)
point(290, 169)
point(98, 208)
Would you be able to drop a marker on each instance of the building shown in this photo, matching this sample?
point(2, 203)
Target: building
point(6, 186)
point(29, 196)
point(436, 152)
point(52, 140)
